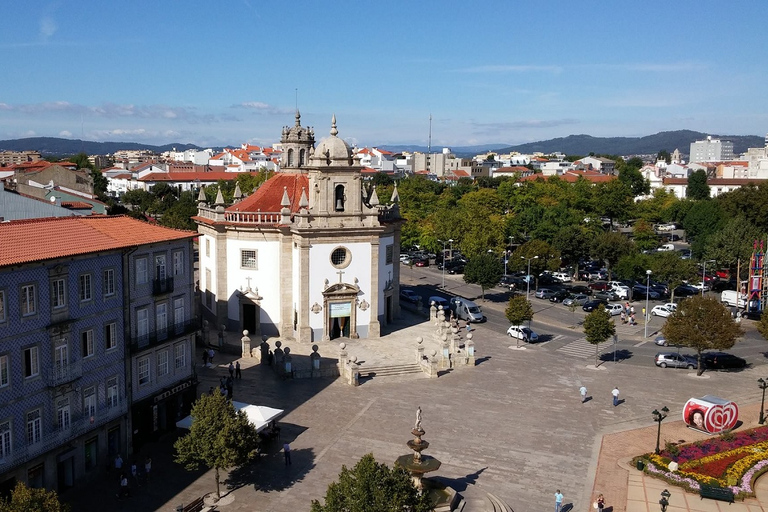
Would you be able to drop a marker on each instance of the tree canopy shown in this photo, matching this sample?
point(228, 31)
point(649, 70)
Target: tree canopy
point(598, 327)
point(26, 499)
point(697, 185)
point(519, 310)
point(485, 270)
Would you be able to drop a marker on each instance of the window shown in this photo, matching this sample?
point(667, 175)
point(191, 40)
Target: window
point(85, 287)
point(113, 400)
point(110, 336)
point(58, 294)
point(248, 259)
point(142, 323)
point(340, 257)
point(178, 263)
point(207, 247)
point(339, 198)
point(141, 271)
point(181, 353)
point(62, 414)
point(162, 363)
point(4, 371)
point(28, 304)
point(89, 403)
point(31, 362)
point(87, 341)
point(160, 267)
point(143, 371)
point(5, 439)
point(109, 282)
point(2, 306)
point(34, 427)
point(161, 320)
point(178, 315)
point(390, 251)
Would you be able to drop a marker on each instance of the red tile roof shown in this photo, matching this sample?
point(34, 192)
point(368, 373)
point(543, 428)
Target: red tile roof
point(191, 176)
point(269, 195)
point(76, 205)
point(26, 241)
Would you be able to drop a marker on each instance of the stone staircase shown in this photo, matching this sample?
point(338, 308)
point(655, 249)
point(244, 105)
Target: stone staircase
point(497, 504)
point(367, 372)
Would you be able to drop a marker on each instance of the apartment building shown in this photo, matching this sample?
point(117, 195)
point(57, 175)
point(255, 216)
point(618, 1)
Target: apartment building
point(711, 150)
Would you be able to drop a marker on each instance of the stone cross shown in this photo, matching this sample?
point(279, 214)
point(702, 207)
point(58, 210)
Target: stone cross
point(340, 272)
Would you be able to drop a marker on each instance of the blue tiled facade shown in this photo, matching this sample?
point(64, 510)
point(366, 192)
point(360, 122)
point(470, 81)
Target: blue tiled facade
point(63, 400)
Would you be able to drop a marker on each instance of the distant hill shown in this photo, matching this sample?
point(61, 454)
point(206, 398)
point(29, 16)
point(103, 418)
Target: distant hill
point(63, 147)
point(679, 139)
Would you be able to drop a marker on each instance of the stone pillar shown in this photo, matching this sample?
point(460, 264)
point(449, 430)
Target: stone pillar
point(470, 347)
point(343, 359)
point(264, 350)
point(245, 341)
point(288, 360)
point(354, 372)
point(279, 357)
point(314, 357)
point(433, 364)
point(445, 355)
point(419, 350)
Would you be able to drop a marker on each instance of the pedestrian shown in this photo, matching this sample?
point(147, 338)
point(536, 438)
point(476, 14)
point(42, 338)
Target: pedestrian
point(632, 311)
point(623, 317)
point(230, 387)
point(615, 394)
point(237, 370)
point(147, 468)
point(632, 320)
point(287, 453)
point(583, 393)
point(210, 355)
point(223, 382)
point(600, 503)
point(118, 462)
point(210, 391)
point(135, 473)
point(558, 500)
point(231, 369)
point(123, 493)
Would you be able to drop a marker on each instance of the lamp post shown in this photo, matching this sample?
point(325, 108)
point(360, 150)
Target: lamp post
point(450, 240)
point(528, 277)
point(647, 288)
point(658, 417)
point(704, 273)
point(762, 384)
point(664, 501)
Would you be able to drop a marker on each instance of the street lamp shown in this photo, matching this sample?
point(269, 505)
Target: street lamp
point(647, 287)
point(658, 417)
point(528, 277)
point(664, 501)
point(762, 384)
point(704, 273)
point(450, 240)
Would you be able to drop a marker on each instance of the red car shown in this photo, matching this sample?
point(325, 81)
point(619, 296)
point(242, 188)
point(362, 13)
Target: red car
point(422, 263)
point(599, 286)
point(723, 273)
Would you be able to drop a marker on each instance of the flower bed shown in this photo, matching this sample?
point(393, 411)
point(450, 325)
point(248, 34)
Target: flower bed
point(733, 460)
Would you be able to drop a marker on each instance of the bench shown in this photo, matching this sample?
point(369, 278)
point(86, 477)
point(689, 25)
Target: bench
point(716, 493)
point(194, 506)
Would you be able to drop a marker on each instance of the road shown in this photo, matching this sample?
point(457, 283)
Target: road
point(560, 329)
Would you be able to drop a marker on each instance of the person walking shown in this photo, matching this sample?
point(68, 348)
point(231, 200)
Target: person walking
point(135, 474)
point(583, 393)
point(147, 468)
point(287, 453)
point(600, 503)
point(238, 374)
point(123, 493)
point(230, 387)
point(210, 355)
point(231, 370)
point(615, 394)
point(558, 500)
point(118, 462)
point(205, 357)
point(623, 317)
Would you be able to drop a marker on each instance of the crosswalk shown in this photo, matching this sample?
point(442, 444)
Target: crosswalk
point(580, 348)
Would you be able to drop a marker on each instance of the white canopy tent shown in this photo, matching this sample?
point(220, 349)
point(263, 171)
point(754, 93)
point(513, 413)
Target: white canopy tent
point(258, 415)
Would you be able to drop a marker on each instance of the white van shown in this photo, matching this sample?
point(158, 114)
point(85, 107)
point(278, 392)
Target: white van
point(467, 310)
point(733, 298)
point(666, 247)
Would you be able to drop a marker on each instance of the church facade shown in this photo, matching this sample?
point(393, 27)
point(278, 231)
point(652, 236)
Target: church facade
point(310, 255)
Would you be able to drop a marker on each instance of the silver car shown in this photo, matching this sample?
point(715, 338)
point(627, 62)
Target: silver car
point(544, 293)
point(672, 360)
point(577, 300)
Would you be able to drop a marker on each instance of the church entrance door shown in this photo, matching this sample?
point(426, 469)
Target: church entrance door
point(339, 319)
point(249, 317)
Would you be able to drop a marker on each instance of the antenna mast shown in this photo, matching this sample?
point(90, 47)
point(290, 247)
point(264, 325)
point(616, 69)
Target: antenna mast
point(429, 144)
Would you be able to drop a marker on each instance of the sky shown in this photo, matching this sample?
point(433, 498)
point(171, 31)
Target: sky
point(487, 72)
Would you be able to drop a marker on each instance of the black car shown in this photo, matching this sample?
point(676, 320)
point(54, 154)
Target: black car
point(686, 291)
point(580, 288)
point(559, 296)
point(593, 304)
point(548, 280)
point(721, 361)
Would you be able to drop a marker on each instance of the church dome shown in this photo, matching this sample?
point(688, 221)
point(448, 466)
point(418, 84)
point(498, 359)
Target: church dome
point(333, 151)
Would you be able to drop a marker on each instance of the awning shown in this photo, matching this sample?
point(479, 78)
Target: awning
point(258, 415)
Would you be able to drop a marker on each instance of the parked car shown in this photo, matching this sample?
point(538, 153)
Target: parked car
point(522, 333)
point(544, 293)
point(409, 295)
point(548, 280)
point(600, 286)
point(614, 309)
point(422, 262)
point(671, 306)
point(685, 291)
point(593, 304)
point(559, 296)
point(607, 296)
point(721, 361)
point(723, 273)
point(672, 360)
point(666, 227)
point(701, 285)
point(564, 277)
point(576, 300)
point(662, 311)
point(440, 301)
point(640, 290)
point(581, 289)
point(661, 341)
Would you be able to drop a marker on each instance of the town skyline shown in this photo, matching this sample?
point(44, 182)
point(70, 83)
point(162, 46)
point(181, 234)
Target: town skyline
point(488, 74)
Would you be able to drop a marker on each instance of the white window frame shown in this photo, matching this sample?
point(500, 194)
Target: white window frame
point(161, 319)
point(180, 355)
point(207, 247)
point(86, 287)
point(161, 268)
point(249, 258)
point(89, 402)
point(143, 371)
point(110, 335)
point(5, 370)
point(178, 263)
point(59, 293)
point(34, 362)
point(142, 322)
point(34, 427)
point(28, 300)
point(2, 306)
point(108, 282)
point(142, 272)
point(178, 315)
point(86, 340)
point(162, 363)
point(63, 414)
point(113, 399)
point(6, 440)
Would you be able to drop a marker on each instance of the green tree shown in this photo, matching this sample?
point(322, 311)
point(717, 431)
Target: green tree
point(373, 487)
point(762, 325)
point(485, 269)
point(220, 437)
point(670, 268)
point(664, 155)
point(614, 199)
point(139, 200)
point(701, 220)
point(610, 247)
point(99, 184)
point(633, 266)
point(26, 499)
point(519, 310)
point(697, 185)
point(732, 242)
point(701, 323)
point(633, 179)
point(644, 236)
point(179, 215)
point(81, 159)
point(598, 327)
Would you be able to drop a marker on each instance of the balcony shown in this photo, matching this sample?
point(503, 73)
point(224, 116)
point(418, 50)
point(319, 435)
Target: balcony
point(159, 336)
point(63, 374)
point(161, 286)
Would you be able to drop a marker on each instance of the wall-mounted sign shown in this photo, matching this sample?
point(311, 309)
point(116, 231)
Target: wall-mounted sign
point(340, 309)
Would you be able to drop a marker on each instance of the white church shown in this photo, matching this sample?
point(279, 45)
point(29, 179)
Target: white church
point(310, 255)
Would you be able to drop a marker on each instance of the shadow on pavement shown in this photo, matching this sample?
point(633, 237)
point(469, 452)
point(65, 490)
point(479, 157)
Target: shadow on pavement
point(459, 484)
point(617, 355)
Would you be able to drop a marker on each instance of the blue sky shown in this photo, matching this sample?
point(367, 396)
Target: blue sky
point(514, 71)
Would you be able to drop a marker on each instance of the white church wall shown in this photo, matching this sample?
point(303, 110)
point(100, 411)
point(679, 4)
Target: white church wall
point(265, 277)
point(385, 273)
point(208, 263)
point(296, 269)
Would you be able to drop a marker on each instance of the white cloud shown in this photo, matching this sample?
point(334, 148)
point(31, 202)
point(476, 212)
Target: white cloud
point(111, 110)
point(509, 68)
point(65, 133)
point(261, 108)
point(48, 27)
